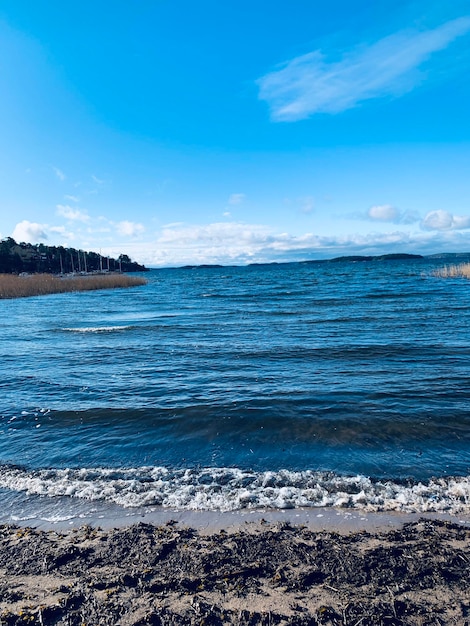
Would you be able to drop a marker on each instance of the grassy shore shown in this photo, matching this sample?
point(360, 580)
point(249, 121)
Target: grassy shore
point(454, 271)
point(12, 286)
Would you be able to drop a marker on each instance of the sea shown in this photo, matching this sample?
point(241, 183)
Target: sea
point(264, 387)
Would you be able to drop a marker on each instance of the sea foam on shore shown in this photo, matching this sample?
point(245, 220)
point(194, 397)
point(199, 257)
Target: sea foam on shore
point(231, 489)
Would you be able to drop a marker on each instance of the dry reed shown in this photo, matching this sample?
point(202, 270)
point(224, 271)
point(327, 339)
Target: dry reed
point(12, 286)
point(453, 271)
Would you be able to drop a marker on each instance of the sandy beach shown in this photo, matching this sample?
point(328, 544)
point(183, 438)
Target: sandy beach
point(258, 572)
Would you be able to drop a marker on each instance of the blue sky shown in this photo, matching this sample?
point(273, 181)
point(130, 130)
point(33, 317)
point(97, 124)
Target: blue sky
point(235, 132)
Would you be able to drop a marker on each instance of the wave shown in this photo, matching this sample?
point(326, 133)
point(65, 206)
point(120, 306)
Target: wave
point(231, 489)
point(97, 329)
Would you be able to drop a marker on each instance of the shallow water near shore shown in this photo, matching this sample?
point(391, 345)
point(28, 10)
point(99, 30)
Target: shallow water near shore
point(237, 389)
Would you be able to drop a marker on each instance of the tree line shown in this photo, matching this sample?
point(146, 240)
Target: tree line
point(16, 258)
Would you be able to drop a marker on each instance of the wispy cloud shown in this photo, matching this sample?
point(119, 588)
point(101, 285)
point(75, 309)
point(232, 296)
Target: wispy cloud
point(130, 229)
point(391, 214)
point(383, 213)
point(59, 173)
point(236, 198)
point(219, 232)
point(74, 215)
point(233, 200)
point(62, 232)
point(444, 220)
point(307, 204)
point(309, 84)
point(219, 242)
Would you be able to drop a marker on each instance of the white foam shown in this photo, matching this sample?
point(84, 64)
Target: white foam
point(231, 489)
point(97, 329)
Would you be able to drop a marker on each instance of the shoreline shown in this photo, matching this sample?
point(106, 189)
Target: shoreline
point(260, 572)
point(318, 519)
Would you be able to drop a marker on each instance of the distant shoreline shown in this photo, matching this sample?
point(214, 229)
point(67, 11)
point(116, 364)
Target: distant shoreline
point(455, 257)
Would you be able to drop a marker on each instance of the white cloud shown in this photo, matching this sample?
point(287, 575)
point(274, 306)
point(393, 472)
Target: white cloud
point(461, 222)
point(221, 242)
point(308, 84)
point(59, 173)
point(231, 242)
point(444, 220)
point(72, 198)
point(383, 213)
point(391, 214)
point(220, 233)
point(239, 243)
point(173, 225)
point(72, 214)
point(62, 231)
point(236, 198)
point(130, 229)
point(97, 180)
point(29, 232)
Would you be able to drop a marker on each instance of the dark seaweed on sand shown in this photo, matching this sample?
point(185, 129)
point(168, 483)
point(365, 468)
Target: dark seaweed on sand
point(280, 574)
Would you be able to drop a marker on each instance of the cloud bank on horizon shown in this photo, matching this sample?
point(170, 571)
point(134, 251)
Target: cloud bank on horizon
point(358, 143)
point(241, 243)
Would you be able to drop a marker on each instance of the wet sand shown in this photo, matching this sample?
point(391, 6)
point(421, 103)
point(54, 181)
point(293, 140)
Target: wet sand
point(108, 515)
point(415, 572)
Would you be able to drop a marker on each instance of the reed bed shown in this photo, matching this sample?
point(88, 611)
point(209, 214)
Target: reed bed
point(453, 271)
point(12, 286)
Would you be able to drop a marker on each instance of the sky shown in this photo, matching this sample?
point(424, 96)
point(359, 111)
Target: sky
point(238, 131)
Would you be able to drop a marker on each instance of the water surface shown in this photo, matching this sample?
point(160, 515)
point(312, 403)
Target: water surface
point(229, 388)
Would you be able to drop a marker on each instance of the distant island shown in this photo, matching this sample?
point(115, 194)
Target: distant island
point(456, 257)
point(401, 256)
point(18, 258)
point(382, 257)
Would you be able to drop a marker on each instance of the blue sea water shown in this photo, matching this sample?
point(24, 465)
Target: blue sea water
point(270, 386)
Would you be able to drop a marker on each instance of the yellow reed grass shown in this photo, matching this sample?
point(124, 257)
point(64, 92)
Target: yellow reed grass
point(12, 286)
point(453, 271)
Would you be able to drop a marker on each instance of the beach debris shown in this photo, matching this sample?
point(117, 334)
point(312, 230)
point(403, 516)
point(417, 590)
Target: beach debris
point(273, 574)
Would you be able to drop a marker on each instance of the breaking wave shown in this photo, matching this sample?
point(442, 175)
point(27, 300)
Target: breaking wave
point(97, 329)
point(231, 489)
